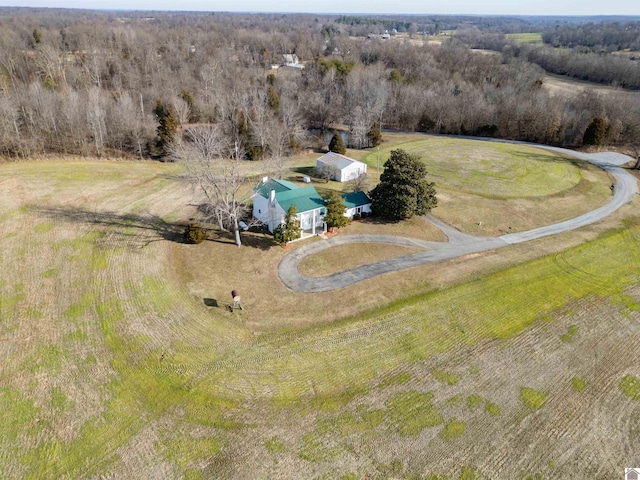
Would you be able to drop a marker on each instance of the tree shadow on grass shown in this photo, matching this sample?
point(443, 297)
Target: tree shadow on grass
point(308, 171)
point(252, 238)
point(127, 227)
point(142, 229)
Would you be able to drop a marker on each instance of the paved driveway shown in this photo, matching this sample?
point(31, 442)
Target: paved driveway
point(458, 243)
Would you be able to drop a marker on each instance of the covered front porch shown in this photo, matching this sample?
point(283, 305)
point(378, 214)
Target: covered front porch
point(312, 223)
point(319, 230)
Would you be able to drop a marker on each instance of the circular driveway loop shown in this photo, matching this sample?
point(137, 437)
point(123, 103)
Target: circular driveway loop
point(459, 243)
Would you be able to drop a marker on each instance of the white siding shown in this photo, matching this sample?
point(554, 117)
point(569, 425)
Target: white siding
point(353, 171)
point(306, 220)
point(350, 212)
point(271, 215)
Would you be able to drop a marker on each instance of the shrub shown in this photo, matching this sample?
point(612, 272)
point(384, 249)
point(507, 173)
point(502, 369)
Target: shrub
point(194, 233)
point(356, 216)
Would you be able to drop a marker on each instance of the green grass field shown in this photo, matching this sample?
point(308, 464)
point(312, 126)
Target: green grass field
point(500, 180)
point(533, 37)
point(490, 169)
point(115, 365)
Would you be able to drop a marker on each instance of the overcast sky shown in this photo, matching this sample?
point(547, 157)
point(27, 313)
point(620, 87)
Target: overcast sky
point(483, 7)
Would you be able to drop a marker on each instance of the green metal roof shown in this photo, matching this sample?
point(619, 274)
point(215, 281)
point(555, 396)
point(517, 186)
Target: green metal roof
point(355, 199)
point(277, 185)
point(304, 199)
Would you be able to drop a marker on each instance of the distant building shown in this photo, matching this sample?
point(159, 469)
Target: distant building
point(291, 60)
point(342, 168)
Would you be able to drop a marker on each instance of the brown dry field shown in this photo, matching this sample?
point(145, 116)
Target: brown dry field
point(567, 86)
point(120, 359)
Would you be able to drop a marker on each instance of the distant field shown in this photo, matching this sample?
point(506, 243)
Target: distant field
point(628, 53)
point(567, 86)
point(121, 360)
point(533, 37)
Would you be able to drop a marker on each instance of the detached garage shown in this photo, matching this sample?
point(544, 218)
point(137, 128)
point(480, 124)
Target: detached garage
point(342, 168)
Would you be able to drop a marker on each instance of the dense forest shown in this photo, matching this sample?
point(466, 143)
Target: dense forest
point(110, 84)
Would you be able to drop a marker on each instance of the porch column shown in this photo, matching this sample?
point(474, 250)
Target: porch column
point(313, 223)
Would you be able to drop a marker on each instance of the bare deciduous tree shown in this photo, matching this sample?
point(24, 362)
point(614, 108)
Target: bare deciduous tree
point(359, 183)
point(278, 140)
point(220, 180)
point(182, 109)
point(96, 119)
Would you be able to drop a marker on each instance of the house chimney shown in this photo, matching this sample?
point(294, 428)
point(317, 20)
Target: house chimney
point(272, 196)
point(265, 179)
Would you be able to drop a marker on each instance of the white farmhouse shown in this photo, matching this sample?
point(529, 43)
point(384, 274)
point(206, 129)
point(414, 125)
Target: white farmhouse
point(273, 198)
point(342, 168)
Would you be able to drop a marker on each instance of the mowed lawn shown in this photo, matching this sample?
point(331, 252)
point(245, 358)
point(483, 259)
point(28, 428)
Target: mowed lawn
point(492, 188)
point(120, 359)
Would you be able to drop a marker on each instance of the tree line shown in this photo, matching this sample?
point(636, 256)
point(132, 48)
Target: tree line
point(112, 83)
point(603, 36)
point(578, 62)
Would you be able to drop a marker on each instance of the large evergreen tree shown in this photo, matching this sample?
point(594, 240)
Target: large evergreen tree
point(167, 126)
point(374, 136)
point(335, 210)
point(272, 98)
point(336, 144)
point(596, 132)
point(403, 190)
